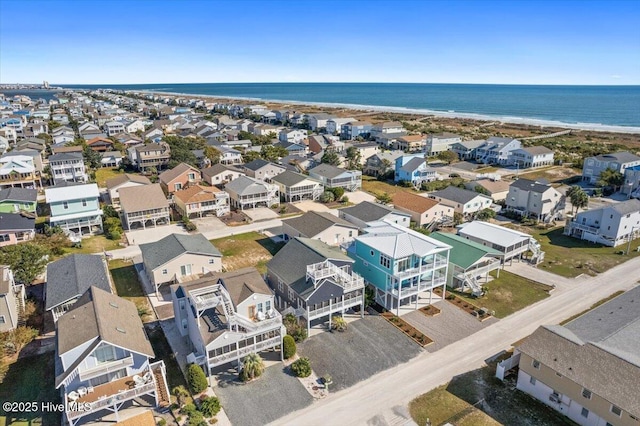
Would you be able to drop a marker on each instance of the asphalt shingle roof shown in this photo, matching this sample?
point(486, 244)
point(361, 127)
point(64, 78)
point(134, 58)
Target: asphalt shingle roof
point(328, 171)
point(458, 195)
point(245, 185)
point(620, 157)
point(530, 185)
point(71, 276)
point(290, 178)
point(18, 194)
point(16, 222)
point(162, 251)
point(145, 197)
point(370, 212)
point(312, 223)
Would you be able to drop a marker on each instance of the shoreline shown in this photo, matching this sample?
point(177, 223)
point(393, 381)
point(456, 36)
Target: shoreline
point(540, 123)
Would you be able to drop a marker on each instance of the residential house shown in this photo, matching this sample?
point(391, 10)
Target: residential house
point(510, 243)
point(314, 281)
point(533, 156)
point(230, 156)
point(354, 129)
point(530, 198)
point(293, 148)
point(18, 170)
point(320, 143)
point(16, 200)
point(334, 125)
point(103, 355)
point(381, 163)
point(618, 161)
point(100, 144)
point(123, 181)
point(219, 174)
point(386, 128)
point(463, 201)
point(414, 169)
point(611, 225)
point(75, 208)
point(294, 186)
point(400, 264)
point(365, 150)
point(16, 228)
point(34, 155)
point(245, 192)
point(366, 213)
point(134, 126)
point(226, 316)
point(411, 143)
point(292, 135)
point(323, 226)
point(181, 176)
point(63, 149)
point(113, 127)
point(425, 212)
point(469, 262)
point(68, 167)
point(63, 139)
point(110, 159)
point(198, 200)
point(144, 205)
point(335, 177)
point(495, 188)
point(70, 277)
point(262, 169)
point(497, 150)
point(12, 299)
point(318, 121)
point(150, 155)
point(437, 143)
point(177, 257)
point(587, 369)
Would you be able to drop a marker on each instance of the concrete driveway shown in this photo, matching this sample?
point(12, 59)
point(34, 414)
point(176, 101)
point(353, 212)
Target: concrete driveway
point(314, 206)
point(209, 224)
point(260, 213)
point(357, 197)
point(150, 235)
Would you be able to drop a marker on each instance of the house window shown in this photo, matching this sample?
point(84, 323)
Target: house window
point(84, 203)
point(403, 264)
point(164, 272)
point(212, 261)
point(178, 186)
point(105, 354)
point(260, 307)
point(292, 296)
point(4, 237)
point(192, 176)
point(350, 233)
point(280, 285)
point(536, 364)
point(586, 393)
point(385, 261)
point(616, 410)
point(65, 205)
point(372, 253)
point(585, 412)
point(532, 380)
point(267, 305)
point(2, 319)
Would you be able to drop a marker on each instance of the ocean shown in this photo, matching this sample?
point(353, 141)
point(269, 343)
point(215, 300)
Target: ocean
point(582, 106)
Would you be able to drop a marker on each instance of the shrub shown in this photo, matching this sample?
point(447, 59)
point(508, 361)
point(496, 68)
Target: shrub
point(188, 409)
point(301, 367)
point(338, 323)
point(252, 367)
point(197, 419)
point(344, 199)
point(196, 378)
point(294, 329)
point(327, 197)
point(209, 406)
point(288, 346)
point(181, 393)
point(337, 192)
point(162, 422)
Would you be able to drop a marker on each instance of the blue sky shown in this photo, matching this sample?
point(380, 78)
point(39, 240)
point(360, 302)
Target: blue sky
point(517, 42)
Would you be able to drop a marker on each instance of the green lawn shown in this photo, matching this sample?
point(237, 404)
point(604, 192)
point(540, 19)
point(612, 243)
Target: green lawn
point(163, 352)
point(570, 257)
point(30, 379)
point(127, 286)
point(94, 244)
point(105, 173)
point(248, 249)
point(509, 293)
point(439, 405)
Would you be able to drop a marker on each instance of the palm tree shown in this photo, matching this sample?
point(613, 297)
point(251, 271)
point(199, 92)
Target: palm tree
point(579, 199)
point(252, 367)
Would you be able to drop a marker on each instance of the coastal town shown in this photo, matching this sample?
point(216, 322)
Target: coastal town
point(176, 259)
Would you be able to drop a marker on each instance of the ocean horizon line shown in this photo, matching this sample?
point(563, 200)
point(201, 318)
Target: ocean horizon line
point(73, 85)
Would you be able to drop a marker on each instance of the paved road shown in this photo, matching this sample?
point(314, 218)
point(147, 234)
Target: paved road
point(380, 399)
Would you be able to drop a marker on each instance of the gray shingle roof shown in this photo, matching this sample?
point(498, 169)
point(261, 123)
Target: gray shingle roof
point(63, 156)
point(458, 195)
point(530, 185)
point(290, 178)
point(71, 276)
point(162, 251)
point(626, 207)
point(312, 223)
point(367, 211)
point(620, 157)
point(328, 171)
point(412, 164)
point(290, 263)
point(16, 222)
point(245, 185)
point(19, 194)
point(256, 164)
point(102, 317)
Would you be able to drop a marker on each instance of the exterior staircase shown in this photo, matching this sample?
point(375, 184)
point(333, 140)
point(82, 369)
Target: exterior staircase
point(537, 255)
point(164, 399)
point(471, 282)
